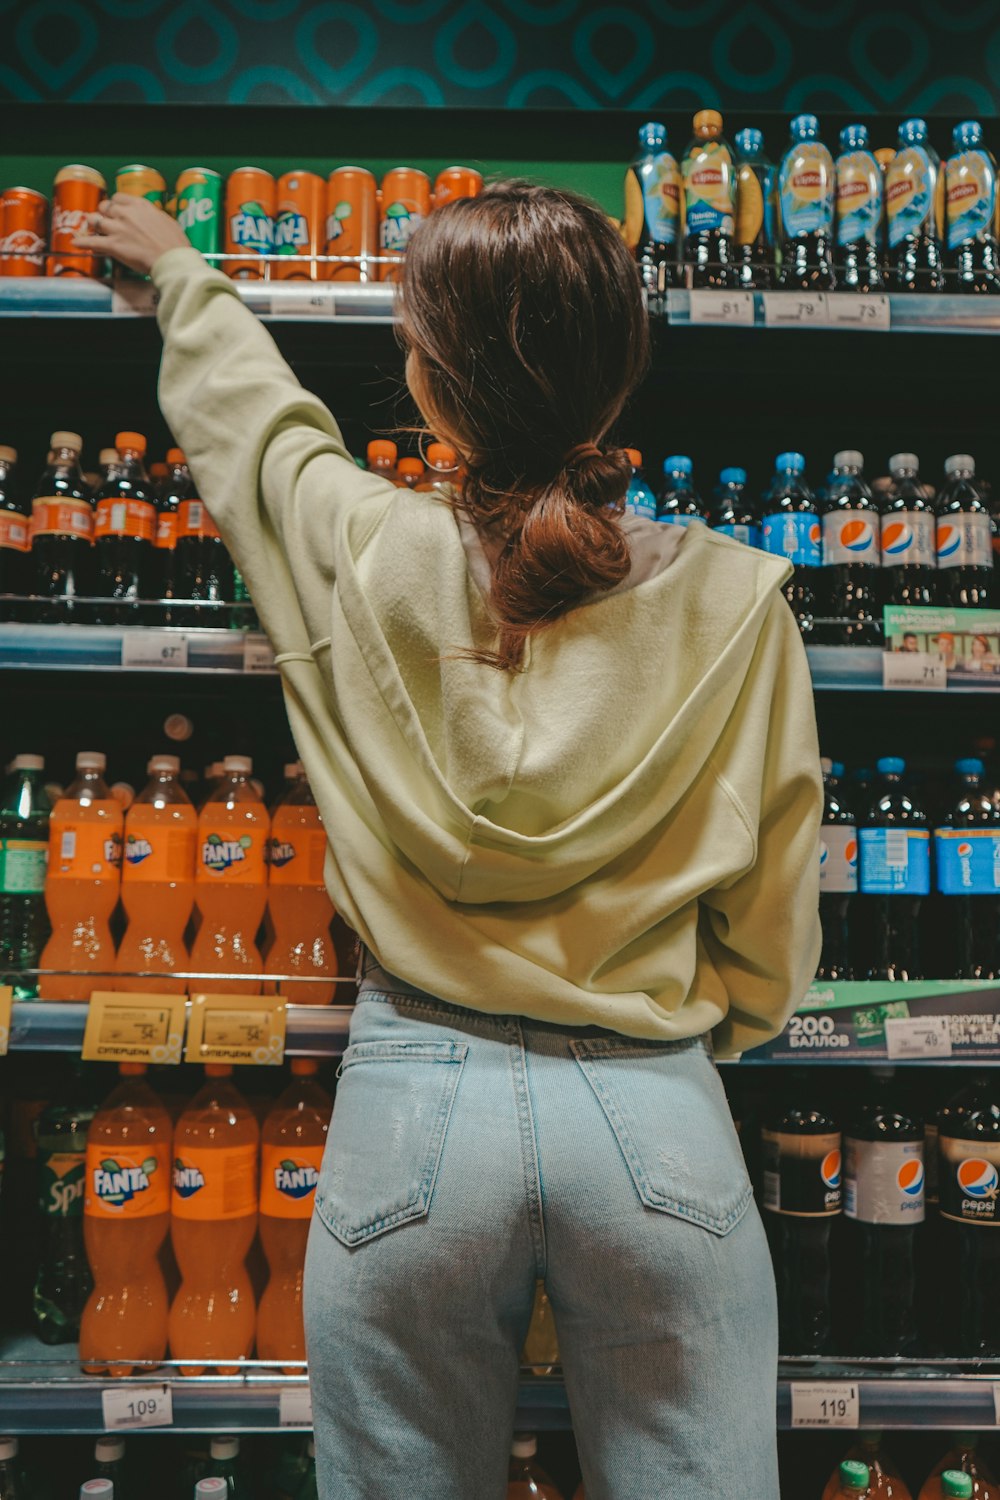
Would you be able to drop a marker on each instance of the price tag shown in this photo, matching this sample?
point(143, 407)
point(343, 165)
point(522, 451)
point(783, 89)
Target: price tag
point(824, 1404)
point(735, 308)
point(6, 1004)
point(134, 1028)
point(128, 1406)
point(236, 1029)
point(136, 299)
point(302, 300)
point(917, 1036)
point(914, 671)
point(156, 650)
point(996, 1402)
point(858, 310)
point(295, 1408)
point(795, 309)
point(258, 654)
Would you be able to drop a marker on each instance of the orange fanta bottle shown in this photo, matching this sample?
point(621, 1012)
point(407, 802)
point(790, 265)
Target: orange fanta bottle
point(291, 1153)
point(161, 830)
point(231, 879)
point(299, 907)
point(213, 1219)
point(126, 1212)
point(81, 887)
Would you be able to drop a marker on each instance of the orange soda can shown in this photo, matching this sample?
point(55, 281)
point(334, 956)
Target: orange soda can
point(300, 226)
point(457, 182)
point(250, 200)
point(142, 182)
point(351, 223)
point(406, 202)
point(77, 192)
point(22, 232)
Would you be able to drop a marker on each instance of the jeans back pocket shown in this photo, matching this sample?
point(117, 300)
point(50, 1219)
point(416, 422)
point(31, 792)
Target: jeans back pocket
point(391, 1113)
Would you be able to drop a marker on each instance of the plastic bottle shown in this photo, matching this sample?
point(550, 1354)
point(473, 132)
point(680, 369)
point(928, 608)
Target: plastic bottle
point(63, 1281)
point(24, 853)
point(161, 832)
point(732, 511)
point(968, 1176)
point(756, 192)
point(679, 501)
point(81, 884)
point(62, 531)
point(894, 852)
point(859, 213)
point(709, 176)
point(790, 528)
point(852, 580)
point(970, 207)
point(125, 1217)
point(964, 538)
point(967, 866)
point(125, 525)
point(838, 879)
point(853, 1479)
point(223, 1463)
point(175, 488)
point(212, 1488)
point(961, 1459)
point(292, 1144)
point(956, 1485)
point(443, 468)
point(526, 1479)
point(97, 1489)
point(652, 212)
point(203, 566)
point(109, 1463)
point(806, 193)
point(231, 878)
point(15, 539)
point(382, 458)
point(298, 904)
point(639, 500)
point(801, 1149)
point(213, 1220)
point(409, 473)
point(909, 555)
point(10, 1473)
point(884, 1481)
point(914, 198)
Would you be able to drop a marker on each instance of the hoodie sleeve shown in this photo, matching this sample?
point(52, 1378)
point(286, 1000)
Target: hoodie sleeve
point(761, 929)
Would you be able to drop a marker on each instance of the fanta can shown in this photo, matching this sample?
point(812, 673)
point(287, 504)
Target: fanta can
point(231, 878)
point(81, 887)
point(300, 909)
point(291, 1155)
point(213, 1220)
point(351, 224)
point(161, 831)
point(299, 227)
point(250, 197)
point(126, 1209)
point(457, 182)
point(405, 204)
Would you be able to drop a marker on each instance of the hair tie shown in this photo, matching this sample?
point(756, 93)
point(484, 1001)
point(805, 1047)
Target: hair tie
point(579, 453)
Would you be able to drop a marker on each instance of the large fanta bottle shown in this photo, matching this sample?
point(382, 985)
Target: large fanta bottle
point(231, 878)
point(300, 909)
point(126, 1210)
point(291, 1154)
point(161, 831)
point(81, 887)
point(213, 1219)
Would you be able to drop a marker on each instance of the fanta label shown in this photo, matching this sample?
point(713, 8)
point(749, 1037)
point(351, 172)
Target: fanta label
point(884, 1181)
point(895, 861)
point(850, 537)
point(709, 190)
point(806, 184)
point(215, 1184)
point(291, 232)
point(968, 1183)
point(288, 1178)
point(86, 851)
point(52, 516)
point(795, 535)
point(15, 531)
point(964, 541)
point(61, 1183)
point(661, 196)
point(298, 857)
point(909, 194)
point(908, 539)
point(802, 1173)
point(251, 228)
point(162, 855)
point(838, 858)
point(127, 1184)
point(399, 224)
point(859, 198)
point(228, 856)
point(970, 197)
point(967, 861)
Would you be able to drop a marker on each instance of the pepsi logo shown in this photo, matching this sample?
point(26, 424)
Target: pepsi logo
point(964, 850)
point(824, 854)
point(815, 533)
point(851, 852)
point(977, 1178)
point(830, 1169)
point(949, 539)
point(910, 1178)
point(897, 537)
point(857, 535)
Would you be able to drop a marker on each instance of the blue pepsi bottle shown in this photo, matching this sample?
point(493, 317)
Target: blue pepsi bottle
point(967, 861)
point(852, 558)
point(639, 499)
point(732, 511)
point(790, 528)
point(895, 875)
point(679, 501)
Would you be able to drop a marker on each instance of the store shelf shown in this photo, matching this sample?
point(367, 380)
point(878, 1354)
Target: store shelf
point(79, 297)
point(102, 648)
point(56, 1026)
point(903, 1394)
point(896, 312)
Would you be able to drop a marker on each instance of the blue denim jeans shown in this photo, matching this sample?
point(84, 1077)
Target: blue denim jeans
point(472, 1154)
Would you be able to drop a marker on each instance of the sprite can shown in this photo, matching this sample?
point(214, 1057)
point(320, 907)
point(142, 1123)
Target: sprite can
point(199, 208)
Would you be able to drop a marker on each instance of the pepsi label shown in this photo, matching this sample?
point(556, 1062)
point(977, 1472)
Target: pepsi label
point(964, 541)
point(748, 535)
point(895, 861)
point(884, 1181)
point(795, 535)
point(838, 858)
point(967, 861)
point(675, 518)
point(908, 539)
point(968, 1180)
point(801, 1174)
point(850, 537)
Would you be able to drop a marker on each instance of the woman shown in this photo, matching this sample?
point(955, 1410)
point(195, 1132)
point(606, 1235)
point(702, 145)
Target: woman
point(568, 763)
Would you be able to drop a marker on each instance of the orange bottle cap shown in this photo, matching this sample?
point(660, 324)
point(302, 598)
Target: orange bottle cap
point(91, 760)
point(218, 1070)
point(176, 456)
point(442, 456)
point(707, 122)
point(304, 1067)
point(108, 456)
point(411, 466)
point(634, 457)
point(158, 471)
point(132, 1069)
point(130, 440)
point(9, 455)
point(237, 765)
point(382, 448)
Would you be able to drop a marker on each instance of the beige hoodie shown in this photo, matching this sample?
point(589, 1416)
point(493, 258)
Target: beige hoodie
point(625, 834)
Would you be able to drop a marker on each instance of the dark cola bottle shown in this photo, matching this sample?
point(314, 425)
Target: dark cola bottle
point(800, 1146)
point(125, 536)
point(62, 535)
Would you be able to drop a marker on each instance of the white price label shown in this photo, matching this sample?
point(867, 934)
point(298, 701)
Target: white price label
point(735, 308)
point(302, 299)
point(156, 650)
point(917, 1036)
point(137, 1406)
point(914, 671)
point(295, 1407)
point(795, 309)
point(858, 310)
point(258, 654)
point(134, 299)
point(824, 1404)
point(996, 1402)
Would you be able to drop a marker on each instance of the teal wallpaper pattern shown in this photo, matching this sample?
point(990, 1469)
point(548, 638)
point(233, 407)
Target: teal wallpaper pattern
point(931, 56)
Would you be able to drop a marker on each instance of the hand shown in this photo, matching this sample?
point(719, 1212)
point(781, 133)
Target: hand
point(131, 230)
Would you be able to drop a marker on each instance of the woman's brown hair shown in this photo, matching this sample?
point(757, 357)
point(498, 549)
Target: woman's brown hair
point(523, 312)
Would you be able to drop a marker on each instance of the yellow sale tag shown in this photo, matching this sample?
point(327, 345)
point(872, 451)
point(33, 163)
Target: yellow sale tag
point(6, 1001)
point(236, 1029)
point(124, 1027)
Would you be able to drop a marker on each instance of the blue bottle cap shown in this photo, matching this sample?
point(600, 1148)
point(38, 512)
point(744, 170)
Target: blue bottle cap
point(912, 131)
point(968, 133)
point(837, 768)
point(854, 138)
point(890, 765)
point(970, 767)
point(804, 126)
point(677, 464)
point(794, 463)
point(652, 135)
point(749, 141)
point(733, 476)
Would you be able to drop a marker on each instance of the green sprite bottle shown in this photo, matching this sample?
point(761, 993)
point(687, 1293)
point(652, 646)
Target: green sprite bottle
point(24, 854)
point(63, 1282)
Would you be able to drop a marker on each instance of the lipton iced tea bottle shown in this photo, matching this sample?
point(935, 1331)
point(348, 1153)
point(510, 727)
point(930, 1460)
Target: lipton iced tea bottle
point(300, 909)
point(526, 1479)
point(81, 887)
point(756, 186)
point(859, 213)
point(709, 204)
point(806, 189)
point(126, 1211)
point(213, 1219)
point(125, 535)
point(62, 533)
point(914, 199)
point(653, 212)
point(161, 831)
point(970, 204)
point(382, 458)
point(292, 1144)
point(231, 878)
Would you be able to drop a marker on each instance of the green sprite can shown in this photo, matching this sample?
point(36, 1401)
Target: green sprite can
point(199, 208)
